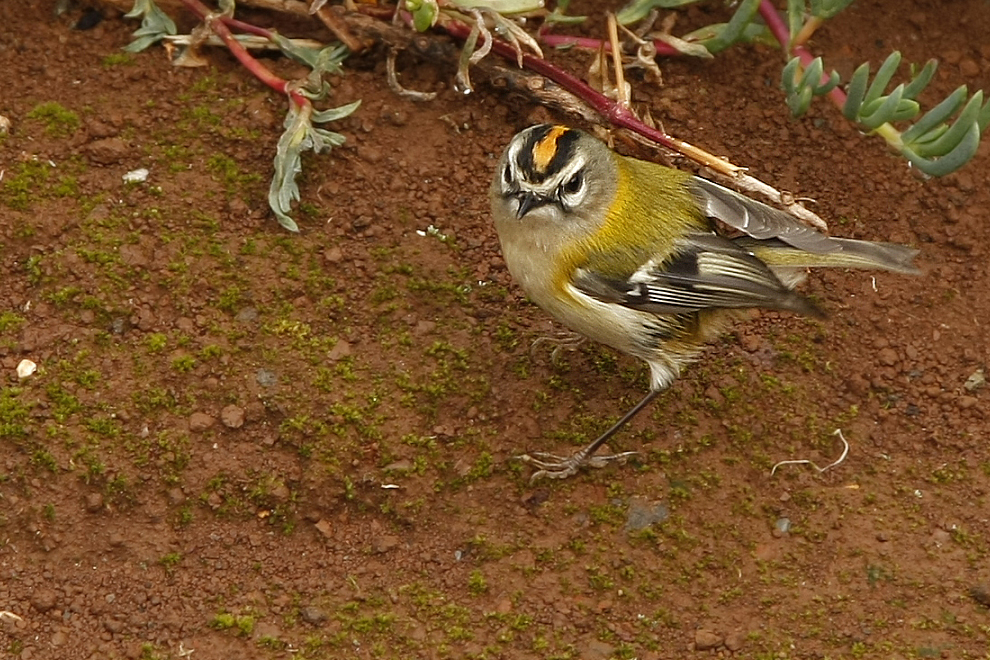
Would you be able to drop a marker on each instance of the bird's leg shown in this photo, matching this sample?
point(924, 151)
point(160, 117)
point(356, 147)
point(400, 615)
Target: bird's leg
point(564, 339)
point(561, 467)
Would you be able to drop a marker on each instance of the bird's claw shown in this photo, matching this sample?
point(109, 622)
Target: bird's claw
point(553, 466)
point(561, 341)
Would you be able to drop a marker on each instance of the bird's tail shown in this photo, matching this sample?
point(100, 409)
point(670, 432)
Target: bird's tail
point(847, 253)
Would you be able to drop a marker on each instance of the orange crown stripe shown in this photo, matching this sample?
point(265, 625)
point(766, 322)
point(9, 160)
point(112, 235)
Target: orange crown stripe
point(546, 149)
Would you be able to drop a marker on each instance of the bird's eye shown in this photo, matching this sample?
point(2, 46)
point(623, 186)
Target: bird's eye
point(507, 174)
point(573, 184)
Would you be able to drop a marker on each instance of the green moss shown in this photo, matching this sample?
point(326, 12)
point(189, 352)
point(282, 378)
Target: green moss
point(67, 186)
point(59, 121)
point(184, 363)
point(506, 337)
point(43, 458)
point(105, 427)
point(33, 268)
point(63, 296)
point(207, 83)
point(10, 322)
point(185, 516)
point(225, 170)
point(482, 467)
point(13, 413)
point(155, 398)
point(156, 342)
point(170, 561)
point(210, 351)
point(204, 116)
point(88, 378)
point(117, 59)
point(230, 298)
point(477, 584)
point(243, 624)
point(24, 184)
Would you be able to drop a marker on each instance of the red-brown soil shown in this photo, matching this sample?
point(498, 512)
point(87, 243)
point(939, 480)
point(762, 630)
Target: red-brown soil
point(242, 443)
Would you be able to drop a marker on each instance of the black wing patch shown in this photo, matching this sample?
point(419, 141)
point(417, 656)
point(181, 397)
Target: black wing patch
point(707, 272)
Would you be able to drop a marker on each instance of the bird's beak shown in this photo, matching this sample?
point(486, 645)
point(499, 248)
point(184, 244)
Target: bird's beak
point(527, 202)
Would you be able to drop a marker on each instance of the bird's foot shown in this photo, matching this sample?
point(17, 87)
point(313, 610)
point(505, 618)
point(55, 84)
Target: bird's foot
point(562, 340)
point(553, 466)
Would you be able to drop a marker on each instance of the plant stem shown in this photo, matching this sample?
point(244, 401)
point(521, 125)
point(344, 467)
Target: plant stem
point(780, 32)
point(808, 29)
point(241, 26)
point(587, 43)
point(615, 113)
point(219, 25)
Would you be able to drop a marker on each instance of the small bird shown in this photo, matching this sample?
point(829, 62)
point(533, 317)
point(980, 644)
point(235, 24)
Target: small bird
point(627, 253)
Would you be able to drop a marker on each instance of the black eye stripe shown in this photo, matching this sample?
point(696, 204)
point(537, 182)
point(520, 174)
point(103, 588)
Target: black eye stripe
point(524, 158)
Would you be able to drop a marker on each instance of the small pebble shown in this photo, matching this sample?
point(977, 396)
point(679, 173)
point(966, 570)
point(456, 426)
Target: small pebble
point(313, 615)
point(200, 421)
point(643, 514)
point(781, 527)
point(94, 502)
point(232, 416)
point(266, 378)
point(247, 315)
point(976, 380)
point(705, 639)
point(43, 600)
point(734, 641)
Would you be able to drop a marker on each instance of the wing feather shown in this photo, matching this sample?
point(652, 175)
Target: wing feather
point(706, 272)
point(757, 219)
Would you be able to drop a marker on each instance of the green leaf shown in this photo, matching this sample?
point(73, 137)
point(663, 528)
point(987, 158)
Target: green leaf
point(930, 136)
point(956, 133)
point(856, 91)
point(735, 29)
point(951, 161)
point(935, 116)
point(320, 60)
point(884, 75)
point(333, 114)
point(800, 101)
point(921, 80)
point(753, 33)
point(788, 76)
point(505, 7)
point(826, 9)
point(638, 9)
point(559, 14)
point(300, 135)
point(424, 13)
point(795, 16)
point(878, 112)
point(800, 92)
point(155, 25)
point(983, 120)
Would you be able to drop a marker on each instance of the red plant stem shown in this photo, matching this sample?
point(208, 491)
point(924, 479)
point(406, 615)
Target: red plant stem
point(587, 43)
point(220, 27)
point(241, 26)
point(616, 114)
point(783, 36)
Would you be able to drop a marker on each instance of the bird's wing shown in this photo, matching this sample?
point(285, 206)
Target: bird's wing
point(757, 219)
point(706, 272)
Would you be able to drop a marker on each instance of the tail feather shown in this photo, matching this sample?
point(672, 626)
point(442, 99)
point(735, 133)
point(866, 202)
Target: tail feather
point(850, 253)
